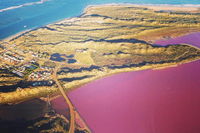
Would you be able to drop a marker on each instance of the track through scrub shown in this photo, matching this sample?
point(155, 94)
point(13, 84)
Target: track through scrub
point(68, 102)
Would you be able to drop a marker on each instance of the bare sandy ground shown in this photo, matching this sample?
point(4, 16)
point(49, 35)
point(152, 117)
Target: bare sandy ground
point(187, 8)
point(156, 7)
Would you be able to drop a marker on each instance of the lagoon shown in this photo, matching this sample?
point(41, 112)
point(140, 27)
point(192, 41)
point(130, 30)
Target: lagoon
point(193, 39)
point(150, 101)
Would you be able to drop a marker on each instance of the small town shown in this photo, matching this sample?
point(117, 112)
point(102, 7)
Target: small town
point(27, 68)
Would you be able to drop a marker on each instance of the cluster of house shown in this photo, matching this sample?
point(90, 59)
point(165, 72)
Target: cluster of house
point(34, 53)
point(40, 75)
point(3, 44)
point(2, 47)
point(19, 73)
point(11, 57)
point(25, 68)
point(38, 54)
point(49, 68)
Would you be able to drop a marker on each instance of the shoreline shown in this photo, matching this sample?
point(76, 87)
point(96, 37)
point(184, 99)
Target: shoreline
point(56, 94)
point(14, 36)
point(156, 7)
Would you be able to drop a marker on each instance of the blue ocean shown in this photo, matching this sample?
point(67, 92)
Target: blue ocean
point(10, 3)
point(21, 15)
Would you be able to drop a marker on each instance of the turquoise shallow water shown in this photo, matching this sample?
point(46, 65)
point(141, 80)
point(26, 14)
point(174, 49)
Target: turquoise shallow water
point(37, 15)
point(11, 3)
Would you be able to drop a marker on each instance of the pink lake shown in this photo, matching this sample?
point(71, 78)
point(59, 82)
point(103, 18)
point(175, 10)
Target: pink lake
point(193, 39)
point(151, 101)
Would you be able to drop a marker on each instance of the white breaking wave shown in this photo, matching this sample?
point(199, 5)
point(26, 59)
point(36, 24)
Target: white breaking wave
point(23, 5)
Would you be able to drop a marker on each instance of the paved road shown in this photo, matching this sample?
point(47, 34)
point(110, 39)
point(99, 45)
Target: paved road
point(71, 107)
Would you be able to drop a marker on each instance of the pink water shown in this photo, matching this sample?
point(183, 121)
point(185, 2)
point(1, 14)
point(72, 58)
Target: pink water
point(193, 39)
point(151, 101)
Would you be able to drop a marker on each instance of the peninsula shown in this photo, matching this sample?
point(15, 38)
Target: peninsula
point(104, 40)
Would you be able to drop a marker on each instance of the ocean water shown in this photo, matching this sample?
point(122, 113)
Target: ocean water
point(37, 15)
point(11, 3)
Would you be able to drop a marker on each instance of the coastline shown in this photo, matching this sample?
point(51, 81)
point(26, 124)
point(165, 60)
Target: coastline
point(54, 92)
point(9, 38)
point(156, 7)
point(21, 33)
